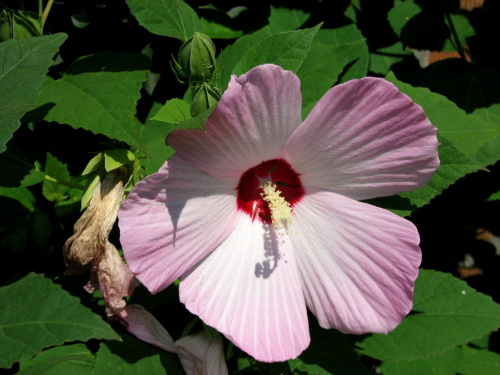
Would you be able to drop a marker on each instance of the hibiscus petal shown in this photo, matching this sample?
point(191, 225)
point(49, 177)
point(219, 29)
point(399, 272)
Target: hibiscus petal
point(144, 326)
point(256, 115)
point(200, 352)
point(358, 262)
point(364, 139)
point(249, 290)
point(173, 219)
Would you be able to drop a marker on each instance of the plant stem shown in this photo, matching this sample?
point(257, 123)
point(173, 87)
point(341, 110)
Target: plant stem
point(454, 34)
point(46, 11)
point(65, 183)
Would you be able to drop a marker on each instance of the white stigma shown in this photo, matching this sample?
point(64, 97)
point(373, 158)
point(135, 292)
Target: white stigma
point(281, 212)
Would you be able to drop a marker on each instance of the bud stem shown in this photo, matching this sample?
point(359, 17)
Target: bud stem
point(65, 183)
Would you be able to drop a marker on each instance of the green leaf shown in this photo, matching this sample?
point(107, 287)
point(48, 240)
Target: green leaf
point(153, 134)
point(174, 111)
point(219, 24)
point(463, 29)
point(197, 122)
point(40, 314)
point(74, 359)
point(20, 194)
point(281, 19)
point(401, 13)
point(132, 357)
point(98, 93)
point(24, 65)
point(89, 190)
point(479, 362)
point(53, 191)
point(467, 132)
point(114, 159)
point(34, 177)
point(94, 164)
point(446, 313)
point(440, 364)
point(494, 196)
point(454, 165)
point(172, 18)
point(287, 49)
point(330, 352)
point(382, 60)
point(20, 25)
point(331, 51)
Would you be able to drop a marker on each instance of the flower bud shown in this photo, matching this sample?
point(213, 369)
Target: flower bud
point(204, 98)
point(196, 59)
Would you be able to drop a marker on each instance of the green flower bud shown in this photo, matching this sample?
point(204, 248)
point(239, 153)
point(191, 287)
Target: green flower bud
point(204, 98)
point(196, 59)
point(20, 25)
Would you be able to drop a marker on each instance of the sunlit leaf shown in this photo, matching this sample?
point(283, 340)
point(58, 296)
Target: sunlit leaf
point(287, 49)
point(172, 18)
point(98, 93)
point(446, 313)
point(23, 66)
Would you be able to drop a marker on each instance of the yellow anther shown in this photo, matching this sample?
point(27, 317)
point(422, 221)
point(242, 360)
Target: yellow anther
point(281, 212)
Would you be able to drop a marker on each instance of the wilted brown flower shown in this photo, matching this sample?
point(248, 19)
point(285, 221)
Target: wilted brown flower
point(89, 247)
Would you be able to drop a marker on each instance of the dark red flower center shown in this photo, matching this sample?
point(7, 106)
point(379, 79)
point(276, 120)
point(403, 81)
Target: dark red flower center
point(280, 174)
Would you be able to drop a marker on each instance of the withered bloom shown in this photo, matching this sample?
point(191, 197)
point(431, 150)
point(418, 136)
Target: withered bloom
point(89, 248)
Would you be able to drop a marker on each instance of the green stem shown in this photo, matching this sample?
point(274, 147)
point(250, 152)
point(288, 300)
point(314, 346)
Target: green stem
point(454, 34)
point(46, 11)
point(65, 183)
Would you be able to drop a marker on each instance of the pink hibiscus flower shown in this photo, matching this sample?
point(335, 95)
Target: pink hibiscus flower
point(260, 215)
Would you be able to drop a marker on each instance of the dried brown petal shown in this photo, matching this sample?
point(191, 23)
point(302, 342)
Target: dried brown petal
point(112, 280)
point(91, 231)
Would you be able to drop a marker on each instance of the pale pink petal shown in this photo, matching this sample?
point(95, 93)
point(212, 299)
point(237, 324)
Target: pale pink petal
point(144, 326)
point(249, 290)
point(172, 219)
point(358, 262)
point(364, 139)
point(199, 354)
point(256, 115)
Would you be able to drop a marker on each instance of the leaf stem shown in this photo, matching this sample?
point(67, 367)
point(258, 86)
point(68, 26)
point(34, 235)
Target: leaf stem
point(65, 183)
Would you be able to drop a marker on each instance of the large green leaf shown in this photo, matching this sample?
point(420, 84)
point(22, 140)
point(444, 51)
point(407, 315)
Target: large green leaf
point(132, 357)
point(172, 18)
point(446, 313)
point(74, 359)
point(479, 362)
point(98, 93)
point(24, 64)
point(440, 364)
point(331, 51)
point(330, 352)
point(467, 142)
point(454, 165)
point(35, 314)
point(280, 19)
point(287, 49)
point(467, 132)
